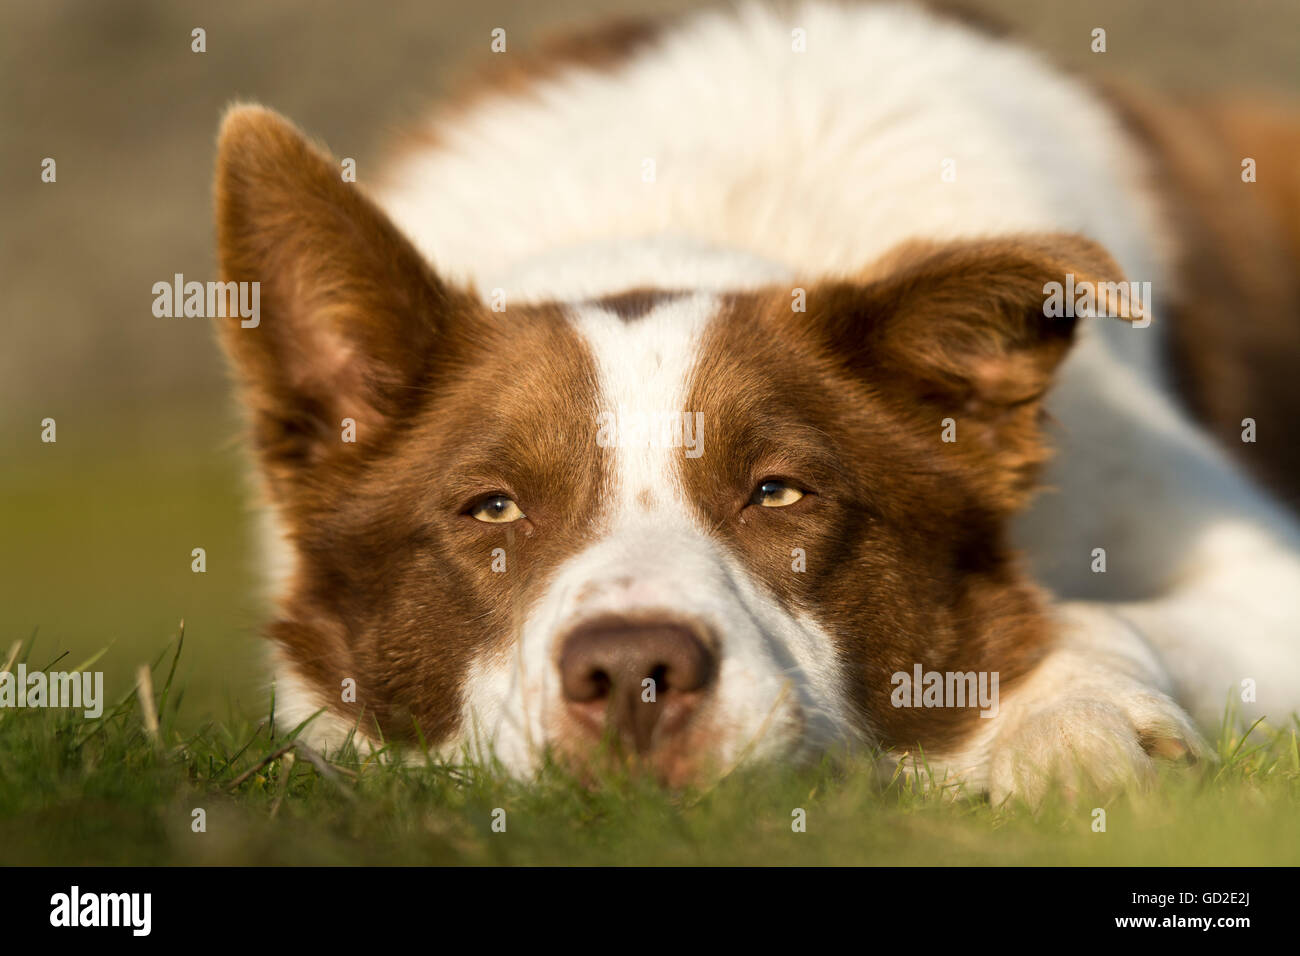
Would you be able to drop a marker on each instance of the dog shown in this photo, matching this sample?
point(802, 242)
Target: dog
point(721, 390)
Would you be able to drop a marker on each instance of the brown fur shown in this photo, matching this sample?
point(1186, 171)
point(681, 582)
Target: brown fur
point(907, 560)
point(393, 587)
point(635, 303)
point(519, 73)
point(906, 556)
point(613, 43)
point(1233, 317)
point(601, 47)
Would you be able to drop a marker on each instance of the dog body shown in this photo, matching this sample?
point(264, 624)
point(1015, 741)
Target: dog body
point(822, 271)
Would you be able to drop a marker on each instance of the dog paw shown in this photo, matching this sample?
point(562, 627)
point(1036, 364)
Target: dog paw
point(1090, 745)
point(1091, 719)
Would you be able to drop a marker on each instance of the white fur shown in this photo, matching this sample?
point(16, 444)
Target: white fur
point(819, 161)
point(1081, 716)
point(771, 164)
point(297, 702)
point(779, 687)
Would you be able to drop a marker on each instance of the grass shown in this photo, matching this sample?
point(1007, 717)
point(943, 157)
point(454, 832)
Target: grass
point(96, 537)
point(117, 791)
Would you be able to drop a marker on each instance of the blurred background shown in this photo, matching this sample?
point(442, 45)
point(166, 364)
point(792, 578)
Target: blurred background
point(96, 530)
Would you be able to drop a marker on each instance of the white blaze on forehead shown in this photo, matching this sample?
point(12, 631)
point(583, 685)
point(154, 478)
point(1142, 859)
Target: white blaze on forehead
point(778, 687)
point(644, 367)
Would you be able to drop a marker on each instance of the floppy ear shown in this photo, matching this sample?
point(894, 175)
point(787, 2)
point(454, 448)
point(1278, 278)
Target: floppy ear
point(351, 317)
point(963, 330)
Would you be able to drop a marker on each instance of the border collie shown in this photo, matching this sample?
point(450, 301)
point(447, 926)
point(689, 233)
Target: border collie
point(773, 380)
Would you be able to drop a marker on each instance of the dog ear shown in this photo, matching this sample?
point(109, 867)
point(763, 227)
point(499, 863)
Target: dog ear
point(970, 331)
point(351, 318)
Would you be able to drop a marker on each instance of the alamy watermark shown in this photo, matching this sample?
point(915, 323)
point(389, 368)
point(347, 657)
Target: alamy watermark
point(133, 911)
point(645, 429)
point(82, 690)
point(211, 300)
point(924, 688)
point(1115, 300)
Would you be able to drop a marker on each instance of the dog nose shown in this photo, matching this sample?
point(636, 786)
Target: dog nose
point(641, 680)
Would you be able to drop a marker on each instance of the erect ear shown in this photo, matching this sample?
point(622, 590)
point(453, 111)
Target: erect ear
point(351, 317)
point(969, 330)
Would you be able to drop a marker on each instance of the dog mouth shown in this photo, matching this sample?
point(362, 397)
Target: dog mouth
point(678, 744)
point(674, 767)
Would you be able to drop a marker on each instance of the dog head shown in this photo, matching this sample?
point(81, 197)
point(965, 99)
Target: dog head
point(702, 526)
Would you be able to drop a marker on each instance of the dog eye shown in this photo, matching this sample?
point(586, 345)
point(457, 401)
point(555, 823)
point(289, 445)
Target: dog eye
point(496, 510)
point(775, 493)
